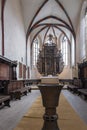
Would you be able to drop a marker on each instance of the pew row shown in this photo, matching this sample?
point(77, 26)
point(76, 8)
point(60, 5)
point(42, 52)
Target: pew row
point(17, 88)
point(75, 85)
point(83, 93)
point(32, 84)
point(5, 99)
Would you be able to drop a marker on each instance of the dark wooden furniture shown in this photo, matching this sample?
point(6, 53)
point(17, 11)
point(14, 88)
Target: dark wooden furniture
point(7, 69)
point(66, 81)
point(16, 89)
point(82, 73)
point(30, 82)
point(75, 85)
point(5, 99)
point(7, 73)
point(83, 93)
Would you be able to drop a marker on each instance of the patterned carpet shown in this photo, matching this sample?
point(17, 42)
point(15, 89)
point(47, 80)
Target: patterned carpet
point(68, 118)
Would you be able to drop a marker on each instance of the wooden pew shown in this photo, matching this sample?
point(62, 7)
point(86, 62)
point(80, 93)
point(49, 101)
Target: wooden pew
point(83, 93)
point(76, 84)
point(16, 89)
point(5, 99)
point(30, 84)
point(7, 73)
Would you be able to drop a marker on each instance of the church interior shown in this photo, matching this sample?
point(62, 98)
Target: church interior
point(43, 57)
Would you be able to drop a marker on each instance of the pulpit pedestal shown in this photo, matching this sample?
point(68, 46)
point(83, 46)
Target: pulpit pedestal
point(50, 97)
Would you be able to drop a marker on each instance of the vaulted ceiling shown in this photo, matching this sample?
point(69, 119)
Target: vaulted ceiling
point(41, 16)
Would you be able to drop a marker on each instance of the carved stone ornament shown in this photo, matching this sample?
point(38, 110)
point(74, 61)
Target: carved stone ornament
point(50, 60)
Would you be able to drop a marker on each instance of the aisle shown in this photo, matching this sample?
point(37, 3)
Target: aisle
point(10, 117)
point(79, 104)
point(68, 118)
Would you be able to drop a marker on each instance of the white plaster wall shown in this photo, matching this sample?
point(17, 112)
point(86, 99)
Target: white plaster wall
point(34, 74)
point(0, 31)
point(66, 74)
point(15, 38)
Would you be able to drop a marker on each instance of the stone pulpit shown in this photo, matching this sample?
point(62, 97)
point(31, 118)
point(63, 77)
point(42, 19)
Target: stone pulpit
point(49, 64)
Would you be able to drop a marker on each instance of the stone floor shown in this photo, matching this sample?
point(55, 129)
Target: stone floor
point(10, 117)
point(79, 104)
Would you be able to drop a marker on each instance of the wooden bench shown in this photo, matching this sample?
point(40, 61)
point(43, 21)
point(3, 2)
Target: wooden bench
point(73, 88)
point(17, 88)
point(19, 92)
point(5, 99)
point(76, 84)
point(31, 83)
point(83, 93)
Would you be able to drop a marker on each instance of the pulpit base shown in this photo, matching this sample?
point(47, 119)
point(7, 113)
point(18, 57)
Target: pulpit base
point(50, 97)
point(50, 122)
point(50, 125)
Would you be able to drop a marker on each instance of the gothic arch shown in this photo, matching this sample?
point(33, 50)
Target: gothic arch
point(55, 26)
point(40, 8)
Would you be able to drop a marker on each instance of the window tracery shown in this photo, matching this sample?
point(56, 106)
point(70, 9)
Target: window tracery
point(64, 49)
point(35, 50)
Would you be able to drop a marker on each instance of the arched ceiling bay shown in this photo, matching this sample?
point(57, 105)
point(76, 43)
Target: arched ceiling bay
point(66, 10)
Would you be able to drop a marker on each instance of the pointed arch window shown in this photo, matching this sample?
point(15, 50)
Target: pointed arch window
point(64, 49)
point(73, 52)
point(83, 44)
point(83, 32)
point(35, 50)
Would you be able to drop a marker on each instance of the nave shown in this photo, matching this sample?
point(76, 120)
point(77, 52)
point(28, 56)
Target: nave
point(10, 117)
point(42, 38)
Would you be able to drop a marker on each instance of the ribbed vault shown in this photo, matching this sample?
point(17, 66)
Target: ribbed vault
point(56, 17)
